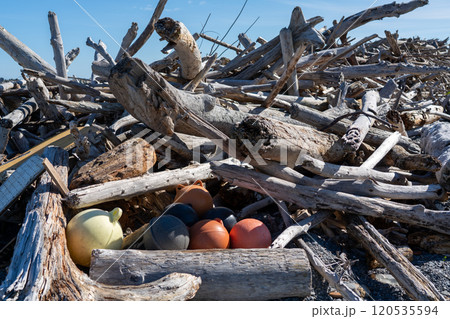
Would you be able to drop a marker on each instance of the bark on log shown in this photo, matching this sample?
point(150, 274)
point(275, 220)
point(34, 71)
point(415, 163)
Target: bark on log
point(313, 198)
point(184, 43)
point(227, 274)
point(436, 141)
point(41, 268)
point(130, 159)
point(410, 278)
point(22, 54)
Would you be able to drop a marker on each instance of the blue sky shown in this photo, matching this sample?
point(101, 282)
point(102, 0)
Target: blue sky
point(27, 20)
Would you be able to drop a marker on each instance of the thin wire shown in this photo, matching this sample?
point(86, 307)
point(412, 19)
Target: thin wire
point(238, 39)
point(203, 28)
point(229, 29)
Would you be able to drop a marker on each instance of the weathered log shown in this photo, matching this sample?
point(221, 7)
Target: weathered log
point(356, 133)
point(436, 141)
point(101, 50)
point(58, 49)
point(371, 70)
point(321, 168)
point(41, 268)
point(22, 54)
point(147, 96)
point(70, 56)
point(224, 44)
point(313, 198)
point(289, 70)
point(319, 120)
point(126, 188)
point(227, 274)
point(359, 187)
point(299, 228)
point(262, 138)
point(145, 35)
point(13, 119)
point(79, 87)
point(126, 41)
point(130, 159)
point(371, 14)
point(420, 117)
point(410, 278)
point(181, 40)
point(287, 50)
point(381, 151)
point(89, 107)
point(41, 94)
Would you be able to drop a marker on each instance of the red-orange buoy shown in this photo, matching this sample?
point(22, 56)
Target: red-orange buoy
point(250, 233)
point(208, 234)
point(195, 195)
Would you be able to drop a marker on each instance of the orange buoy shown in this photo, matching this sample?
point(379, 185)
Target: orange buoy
point(250, 233)
point(196, 195)
point(208, 234)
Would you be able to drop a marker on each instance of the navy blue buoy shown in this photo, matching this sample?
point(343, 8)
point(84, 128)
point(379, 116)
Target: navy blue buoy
point(225, 214)
point(184, 212)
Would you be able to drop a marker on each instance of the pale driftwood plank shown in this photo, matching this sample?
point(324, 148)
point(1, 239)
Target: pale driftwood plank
point(23, 176)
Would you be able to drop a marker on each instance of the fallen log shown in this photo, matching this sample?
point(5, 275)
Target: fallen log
point(22, 54)
point(41, 268)
point(127, 188)
point(417, 286)
point(375, 13)
point(227, 274)
point(313, 198)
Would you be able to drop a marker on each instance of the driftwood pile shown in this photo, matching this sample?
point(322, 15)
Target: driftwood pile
point(352, 137)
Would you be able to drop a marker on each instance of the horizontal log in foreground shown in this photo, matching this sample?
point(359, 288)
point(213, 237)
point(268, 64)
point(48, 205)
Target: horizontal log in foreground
point(226, 274)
